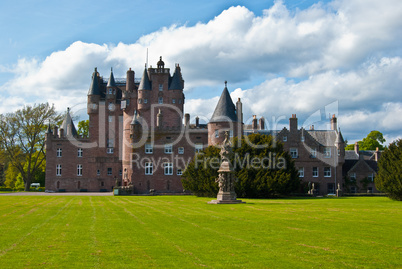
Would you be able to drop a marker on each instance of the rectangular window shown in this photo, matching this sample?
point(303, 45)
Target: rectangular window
point(145, 101)
point(149, 148)
point(168, 148)
point(327, 152)
point(59, 152)
point(110, 143)
point(180, 150)
point(110, 118)
point(110, 91)
point(327, 171)
point(79, 169)
point(293, 153)
point(216, 133)
point(179, 101)
point(120, 172)
point(371, 177)
point(98, 172)
point(173, 101)
point(352, 176)
point(149, 168)
point(109, 171)
point(58, 170)
point(160, 100)
point(313, 153)
point(285, 138)
point(230, 133)
point(79, 152)
point(301, 172)
point(198, 148)
point(109, 150)
point(168, 167)
point(161, 87)
point(315, 171)
point(179, 172)
point(302, 138)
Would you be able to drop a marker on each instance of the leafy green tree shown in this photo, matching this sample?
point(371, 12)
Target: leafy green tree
point(83, 128)
point(389, 178)
point(263, 169)
point(374, 140)
point(22, 136)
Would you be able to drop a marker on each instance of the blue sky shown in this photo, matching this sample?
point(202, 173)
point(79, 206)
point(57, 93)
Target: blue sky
point(280, 57)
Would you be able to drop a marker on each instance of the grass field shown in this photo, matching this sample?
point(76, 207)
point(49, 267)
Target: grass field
point(184, 231)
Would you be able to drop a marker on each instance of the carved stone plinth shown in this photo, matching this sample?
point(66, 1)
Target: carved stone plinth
point(339, 193)
point(226, 178)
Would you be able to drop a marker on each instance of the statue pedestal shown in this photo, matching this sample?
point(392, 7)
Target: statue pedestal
point(338, 193)
point(226, 197)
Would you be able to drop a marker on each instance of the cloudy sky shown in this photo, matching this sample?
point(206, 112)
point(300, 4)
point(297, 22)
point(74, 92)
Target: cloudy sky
point(307, 57)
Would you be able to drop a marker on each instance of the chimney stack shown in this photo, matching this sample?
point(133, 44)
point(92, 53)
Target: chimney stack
point(262, 123)
point(334, 123)
point(254, 125)
point(293, 123)
point(197, 122)
point(187, 120)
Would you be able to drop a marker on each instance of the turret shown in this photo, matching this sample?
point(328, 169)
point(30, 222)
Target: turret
point(94, 93)
point(68, 126)
point(111, 86)
point(223, 119)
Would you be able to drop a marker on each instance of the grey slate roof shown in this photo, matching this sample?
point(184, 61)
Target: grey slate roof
point(111, 82)
point(176, 82)
point(68, 123)
point(135, 118)
point(94, 89)
point(225, 109)
point(324, 137)
point(145, 84)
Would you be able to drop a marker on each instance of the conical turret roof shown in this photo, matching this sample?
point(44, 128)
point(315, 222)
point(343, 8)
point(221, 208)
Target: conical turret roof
point(176, 82)
point(135, 118)
point(68, 123)
point(94, 89)
point(225, 109)
point(111, 82)
point(145, 84)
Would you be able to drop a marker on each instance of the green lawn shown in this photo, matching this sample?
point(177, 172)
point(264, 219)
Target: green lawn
point(184, 231)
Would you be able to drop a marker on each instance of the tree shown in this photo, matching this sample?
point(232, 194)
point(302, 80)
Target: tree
point(389, 177)
point(83, 128)
point(22, 136)
point(263, 169)
point(374, 140)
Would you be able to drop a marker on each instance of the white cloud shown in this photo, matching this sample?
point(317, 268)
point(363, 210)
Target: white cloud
point(346, 51)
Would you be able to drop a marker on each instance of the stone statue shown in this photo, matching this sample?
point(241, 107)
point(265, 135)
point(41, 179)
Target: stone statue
point(226, 178)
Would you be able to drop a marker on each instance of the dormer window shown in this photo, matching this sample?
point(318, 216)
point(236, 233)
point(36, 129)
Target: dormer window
point(110, 91)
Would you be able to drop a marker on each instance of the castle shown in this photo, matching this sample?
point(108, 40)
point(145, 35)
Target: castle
point(138, 136)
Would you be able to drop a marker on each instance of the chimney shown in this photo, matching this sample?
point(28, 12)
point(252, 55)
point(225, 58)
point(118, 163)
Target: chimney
point(55, 131)
point(293, 123)
point(130, 81)
point(186, 120)
point(254, 125)
point(377, 154)
point(197, 122)
point(357, 148)
point(61, 132)
point(239, 111)
point(262, 123)
point(334, 123)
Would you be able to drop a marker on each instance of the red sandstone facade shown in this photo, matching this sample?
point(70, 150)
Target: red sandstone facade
point(137, 137)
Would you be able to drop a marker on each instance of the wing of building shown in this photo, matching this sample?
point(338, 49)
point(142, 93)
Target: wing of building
point(138, 136)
